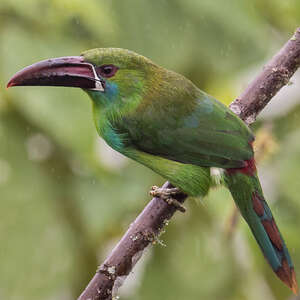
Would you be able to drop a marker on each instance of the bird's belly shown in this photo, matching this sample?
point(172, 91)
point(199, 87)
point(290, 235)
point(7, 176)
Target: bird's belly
point(191, 179)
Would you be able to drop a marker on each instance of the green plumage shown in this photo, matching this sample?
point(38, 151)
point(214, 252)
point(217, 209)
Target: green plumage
point(166, 115)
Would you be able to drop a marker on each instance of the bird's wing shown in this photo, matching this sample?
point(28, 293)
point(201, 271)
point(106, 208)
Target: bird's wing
point(202, 132)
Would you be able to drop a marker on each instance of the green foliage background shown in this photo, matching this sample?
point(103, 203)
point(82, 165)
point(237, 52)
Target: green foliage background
point(65, 199)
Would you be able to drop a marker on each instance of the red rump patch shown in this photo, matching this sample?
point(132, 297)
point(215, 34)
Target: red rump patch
point(257, 203)
point(273, 233)
point(288, 276)
point(248, 169)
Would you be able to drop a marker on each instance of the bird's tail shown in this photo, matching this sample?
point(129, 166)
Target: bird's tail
point(246, 191)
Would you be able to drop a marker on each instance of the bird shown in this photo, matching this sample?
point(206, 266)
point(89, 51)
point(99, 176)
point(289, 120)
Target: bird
point(160, 119)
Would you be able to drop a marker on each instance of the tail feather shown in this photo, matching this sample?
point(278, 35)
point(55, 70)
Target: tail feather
point(247, 193)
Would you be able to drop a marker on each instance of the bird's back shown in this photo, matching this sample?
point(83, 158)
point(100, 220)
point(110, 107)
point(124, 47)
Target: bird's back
point(177, 121)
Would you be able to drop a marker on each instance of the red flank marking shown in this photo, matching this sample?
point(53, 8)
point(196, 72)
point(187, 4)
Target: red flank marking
point(248, 169)
point(273, 233)
point(257, 204)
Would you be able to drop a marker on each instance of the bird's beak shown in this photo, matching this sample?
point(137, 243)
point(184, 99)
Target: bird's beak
point(70, 71)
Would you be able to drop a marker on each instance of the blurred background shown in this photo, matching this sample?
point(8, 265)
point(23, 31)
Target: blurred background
point(66, 198)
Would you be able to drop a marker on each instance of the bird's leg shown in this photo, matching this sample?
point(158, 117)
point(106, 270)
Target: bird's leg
point(166, 195)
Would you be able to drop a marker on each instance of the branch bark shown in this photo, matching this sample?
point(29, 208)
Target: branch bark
point(273, 77)
point(148, 225)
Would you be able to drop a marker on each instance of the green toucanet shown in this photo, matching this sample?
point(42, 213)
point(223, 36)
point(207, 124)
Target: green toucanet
point(163, 121)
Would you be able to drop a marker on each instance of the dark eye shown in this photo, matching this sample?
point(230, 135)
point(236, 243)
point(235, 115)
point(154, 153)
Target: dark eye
point(107, 70)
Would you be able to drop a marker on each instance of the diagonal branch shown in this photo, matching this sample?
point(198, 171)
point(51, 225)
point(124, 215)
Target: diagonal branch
point(147, 226)
point(272, 78)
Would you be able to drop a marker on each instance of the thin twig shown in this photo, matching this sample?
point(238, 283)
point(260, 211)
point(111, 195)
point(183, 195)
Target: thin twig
point(146, 228)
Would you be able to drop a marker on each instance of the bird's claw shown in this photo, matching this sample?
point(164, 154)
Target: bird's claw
point(166, 195)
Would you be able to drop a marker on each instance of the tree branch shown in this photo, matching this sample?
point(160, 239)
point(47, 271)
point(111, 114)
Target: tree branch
point(146, 228)
point(273, 77)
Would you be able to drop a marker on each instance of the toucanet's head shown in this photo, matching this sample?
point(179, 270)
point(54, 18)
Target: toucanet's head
point(102, 72)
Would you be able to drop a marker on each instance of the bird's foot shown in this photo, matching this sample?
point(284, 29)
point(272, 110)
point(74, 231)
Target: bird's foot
point(166, 195)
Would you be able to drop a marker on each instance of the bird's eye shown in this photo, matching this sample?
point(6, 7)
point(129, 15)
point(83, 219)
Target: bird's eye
point(107, 70)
